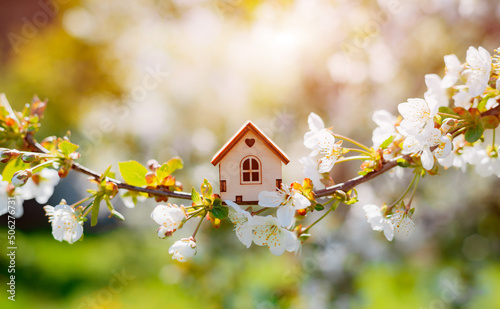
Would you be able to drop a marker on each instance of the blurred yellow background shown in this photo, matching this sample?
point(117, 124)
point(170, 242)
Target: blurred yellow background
point(149, 79)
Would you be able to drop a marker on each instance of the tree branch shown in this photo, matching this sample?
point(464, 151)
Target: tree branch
point(346, 186)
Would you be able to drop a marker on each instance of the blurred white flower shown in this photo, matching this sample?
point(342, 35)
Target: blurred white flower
point(183, 249)
point(7, 191)
point(484, 164)
point(386, 127)
point(316, 127)
point(435, 91)
point(378, 221)
point(269, 232)
point(130, 198)
point(65, 224)
point(288, 200)
point(169, 217)
point(310, 170)
point(242, 221)
point(453, 70)
point(41, 186)
point(462, 98)
point(477, 70)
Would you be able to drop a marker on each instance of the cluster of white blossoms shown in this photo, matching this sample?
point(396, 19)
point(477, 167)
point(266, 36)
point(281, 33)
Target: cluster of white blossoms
point(263, 231)
point(453, 125)
point(325, 149)
point(39, 186)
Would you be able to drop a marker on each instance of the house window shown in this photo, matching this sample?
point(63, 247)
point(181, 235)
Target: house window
point(239, 199)
point(250, 170)
point(223, 186)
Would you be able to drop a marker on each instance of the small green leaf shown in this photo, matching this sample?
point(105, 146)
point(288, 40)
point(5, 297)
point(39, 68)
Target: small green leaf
point(446, 110)
point(12, 167)
point(403, 163)
point(195, 196)
point(117, 215)
point(175, 164)
point(168, 168)
point(490, 121)
point(95, 209)
point(481, 106)
point(133, 172)
point(473, 134)
point(387, 142)
point(206, 189)
point(107, 172)
point(319, 207)
point(67, 147)
point(220, 212)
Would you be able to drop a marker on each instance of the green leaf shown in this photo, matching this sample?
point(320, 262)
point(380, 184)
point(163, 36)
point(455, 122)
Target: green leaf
point(133, 172)
point(387, 142)
point(206, 189)
point(107, 172)
point(220, 212)
point(175, 164)
point(473, 134)
point(67, 147)
point(319, 207)
point(481, 106)
point(446, 110)
point(490, 121)
point(403, 163)
point(195, 196)
point(117, 215)
point(12, 167)
point(95, 209)
point(168, 168)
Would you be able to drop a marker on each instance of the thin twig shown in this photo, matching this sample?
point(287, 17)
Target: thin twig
point(346, 186)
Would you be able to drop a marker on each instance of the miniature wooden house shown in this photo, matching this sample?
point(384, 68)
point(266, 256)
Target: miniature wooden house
point(249, 163)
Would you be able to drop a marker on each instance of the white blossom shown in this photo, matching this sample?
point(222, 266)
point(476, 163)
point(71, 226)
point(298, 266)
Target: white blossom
point(130, 198)
point(379, 221)
point(16, 204)
point(402, 222)
point(417, 113)
point(41, 186)
point(169, 217)
point(422, 143)
point(477, 70)
point(386, 123)
point(183, 249)
point(329, 149)
point(287, 200)
point(316, 128)
point(462, 98)
point(269, 232)
point(484, 163)
point(243, 222)
point(435, 91)
point(453, 70)
point(65, 224)
point(455, 159)
point(310, 170)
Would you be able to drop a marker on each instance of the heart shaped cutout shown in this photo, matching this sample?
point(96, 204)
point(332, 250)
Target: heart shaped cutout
point(250, 142)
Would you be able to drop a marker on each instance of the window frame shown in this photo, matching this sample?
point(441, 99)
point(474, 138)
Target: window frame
point(251, 171)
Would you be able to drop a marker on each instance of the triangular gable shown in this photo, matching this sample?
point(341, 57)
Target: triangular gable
point(249, 126)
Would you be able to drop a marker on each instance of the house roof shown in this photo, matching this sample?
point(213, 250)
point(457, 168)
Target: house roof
point(249, 126)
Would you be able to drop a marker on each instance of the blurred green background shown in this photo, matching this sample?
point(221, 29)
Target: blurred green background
point(155, 78)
